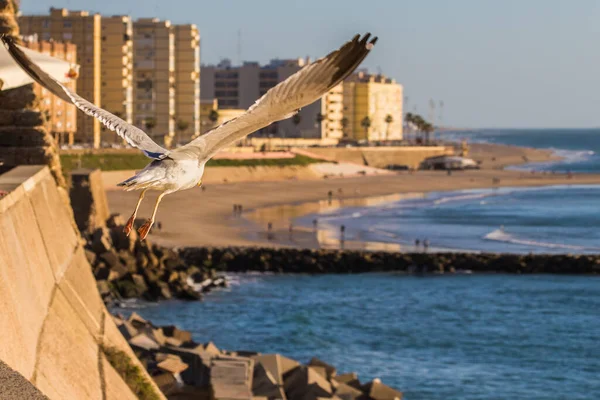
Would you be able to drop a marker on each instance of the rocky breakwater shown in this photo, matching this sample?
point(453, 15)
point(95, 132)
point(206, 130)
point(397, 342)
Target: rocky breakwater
point(125, 267)
point(291, 260)
point(183, 368)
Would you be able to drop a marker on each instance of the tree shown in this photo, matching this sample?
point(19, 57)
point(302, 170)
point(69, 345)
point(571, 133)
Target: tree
point(296, 119)
point(213, 116)
point(418, 122)
point(366, 123)
point(319, 118)
point(388, 120)
point(344, 126)
point(427, 128)
point(39, 147)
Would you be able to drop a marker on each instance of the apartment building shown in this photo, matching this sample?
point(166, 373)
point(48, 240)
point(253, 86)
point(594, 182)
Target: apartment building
point(61, 116)
point(154, 78)
point(187, 82)
point(372, 107)
point(117, 71)
point(238, 87)
point(211, 115)
point(84, 31)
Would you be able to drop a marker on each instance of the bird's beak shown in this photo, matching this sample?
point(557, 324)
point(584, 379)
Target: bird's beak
point(200, 183)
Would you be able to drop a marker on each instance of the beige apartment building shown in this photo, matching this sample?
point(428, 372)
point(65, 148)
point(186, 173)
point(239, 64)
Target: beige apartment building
point(374, 97)
point(154, 78)
point(211, 115)
point(117, 71)
point(62, 116)
point(238, 87)
point(187, 82)
point(83, 30)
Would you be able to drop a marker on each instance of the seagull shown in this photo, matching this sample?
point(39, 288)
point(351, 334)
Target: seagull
point(182, 168)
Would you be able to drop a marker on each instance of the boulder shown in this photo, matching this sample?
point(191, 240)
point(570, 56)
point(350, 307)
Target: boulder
point(127, 330)
point(199, 363)
point(116, 220)
point(264, 384)
point(378, 391)
point(140, 283)
point(179, 334)
point(347, 392)
point(305, 383)
point(329, 369)
point(90, 256)
point(103, 288)
point(276, 364)
point(231, 377)
point(110, 258)
point(143, 342)
point(101, 241)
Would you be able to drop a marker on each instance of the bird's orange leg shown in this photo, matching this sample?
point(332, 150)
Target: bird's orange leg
point(145, 229)
point(129, 225)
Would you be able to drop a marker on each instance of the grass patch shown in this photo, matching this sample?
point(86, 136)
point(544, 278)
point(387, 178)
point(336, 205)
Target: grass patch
point(131, 374)
point(120, 162)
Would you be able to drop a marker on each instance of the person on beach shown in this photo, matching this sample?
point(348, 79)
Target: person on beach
point(330, 196)
point(291, 229)
point(270, 231)
point(315, 222)
point(417, 243)
point(425, 245)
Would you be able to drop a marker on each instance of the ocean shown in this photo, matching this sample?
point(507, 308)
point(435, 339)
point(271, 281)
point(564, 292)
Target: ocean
point(462, 337)
point(559, 219)
point(468, 337)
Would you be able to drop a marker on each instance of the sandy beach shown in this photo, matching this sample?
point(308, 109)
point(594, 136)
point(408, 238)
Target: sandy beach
point(205, 218)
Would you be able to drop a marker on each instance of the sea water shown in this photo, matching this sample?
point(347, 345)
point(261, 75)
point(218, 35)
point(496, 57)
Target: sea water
point(461, 337)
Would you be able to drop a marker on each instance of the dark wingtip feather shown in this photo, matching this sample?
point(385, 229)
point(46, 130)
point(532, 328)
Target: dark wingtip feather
point(374, 40)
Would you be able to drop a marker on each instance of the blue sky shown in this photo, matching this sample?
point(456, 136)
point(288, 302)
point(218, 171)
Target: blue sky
point(509, 63)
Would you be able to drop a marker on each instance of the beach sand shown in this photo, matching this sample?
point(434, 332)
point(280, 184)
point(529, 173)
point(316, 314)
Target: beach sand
point(205, 218)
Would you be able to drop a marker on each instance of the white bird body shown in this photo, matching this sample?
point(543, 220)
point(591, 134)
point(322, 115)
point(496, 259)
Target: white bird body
point(182, 168)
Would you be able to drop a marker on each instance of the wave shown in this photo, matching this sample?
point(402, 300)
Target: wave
point(573, 156)
point(500, 235)
point(472, 196)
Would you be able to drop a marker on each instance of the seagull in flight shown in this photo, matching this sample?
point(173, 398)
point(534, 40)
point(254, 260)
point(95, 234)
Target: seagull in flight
point(182, 168)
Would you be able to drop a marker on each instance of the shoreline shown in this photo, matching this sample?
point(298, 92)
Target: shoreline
point(205, 218)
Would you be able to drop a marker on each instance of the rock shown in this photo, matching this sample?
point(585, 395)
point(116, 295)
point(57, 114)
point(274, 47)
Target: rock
point(103, 288)
point(172, 364)
point(166, 382)
point(102, 273)
point(276, 364)
point(198, 373)
point(101, 241)
point(127, 330)
point(144, 342)
point(160, 290)
point(141, 260)
point(140, 283)
point(305, 383)
point(115, 220)
point(179, 334)
point(137, 321)
point(122, 241)
point(330, 370)
point(231, 377)
point(348, 377)
point(346, 392)
point(90, 256)
point(378, 391)
point(110, 258)
point(264, 384)
point(128, 260)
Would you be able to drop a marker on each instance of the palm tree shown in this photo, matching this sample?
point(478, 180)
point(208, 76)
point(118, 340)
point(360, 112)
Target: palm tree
point(344, 122)
point(41, 147)
point(388, 120)
point(366, 123)
point(418, 122)
point(319, 118)
point(408, 121)
point(296, 119)
point(427, 128)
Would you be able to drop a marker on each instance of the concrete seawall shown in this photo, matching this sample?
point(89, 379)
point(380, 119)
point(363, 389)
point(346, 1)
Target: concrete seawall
point(53, 322)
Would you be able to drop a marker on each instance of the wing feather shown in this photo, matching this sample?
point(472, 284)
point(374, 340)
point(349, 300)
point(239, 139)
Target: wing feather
point(132, 135)
point(285, 99)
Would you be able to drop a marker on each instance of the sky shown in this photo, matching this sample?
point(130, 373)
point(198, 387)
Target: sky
point(493, 64)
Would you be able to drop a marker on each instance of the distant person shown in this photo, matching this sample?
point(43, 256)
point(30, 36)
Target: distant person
point(240, 208)
point(315, 223)
point(342, 235)
point(270, 231)
point(449, 172)
point(291, 229)
point(159, 225)
point(235, 210)
point(425, 245)
point(330, 196)
point(417, 243)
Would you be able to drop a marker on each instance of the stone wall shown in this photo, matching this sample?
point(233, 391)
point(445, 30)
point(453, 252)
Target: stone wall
point(53, 322)
point(380, 157)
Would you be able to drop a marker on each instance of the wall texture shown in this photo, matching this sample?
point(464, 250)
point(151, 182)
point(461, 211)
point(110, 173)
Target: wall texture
point(53, 323)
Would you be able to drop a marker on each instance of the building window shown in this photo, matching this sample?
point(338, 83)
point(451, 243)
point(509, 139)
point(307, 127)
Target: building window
point(46, 24)
point(67, 24)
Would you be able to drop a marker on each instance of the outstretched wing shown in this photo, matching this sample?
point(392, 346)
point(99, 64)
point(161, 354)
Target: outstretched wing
point(133, 135)
point(284, 100)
